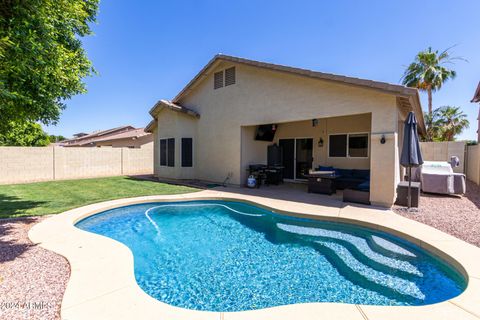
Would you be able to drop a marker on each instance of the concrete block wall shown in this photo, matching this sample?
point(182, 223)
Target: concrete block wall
point(26, 164)
point(473, 163)
point(138, 161)
point(31, 164)
point(73, 163)
point(442, 151)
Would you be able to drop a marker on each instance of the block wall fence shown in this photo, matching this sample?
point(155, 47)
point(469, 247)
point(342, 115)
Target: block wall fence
point(32, 164)
point(442, 151)
point(473, 163)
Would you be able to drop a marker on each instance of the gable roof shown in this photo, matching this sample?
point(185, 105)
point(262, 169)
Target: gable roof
point(172, 106)
point(133, 134)
point(79, 140)
point(377, 85)
point(476, 96)
point(165, 104)
point(410, 96)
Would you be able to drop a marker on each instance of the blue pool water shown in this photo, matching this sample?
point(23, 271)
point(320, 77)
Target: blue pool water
point(232, 256)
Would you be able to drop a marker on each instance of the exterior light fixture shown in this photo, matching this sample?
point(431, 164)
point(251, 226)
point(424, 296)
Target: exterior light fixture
point(383, 139)
point(314, 122)
point(320, 142)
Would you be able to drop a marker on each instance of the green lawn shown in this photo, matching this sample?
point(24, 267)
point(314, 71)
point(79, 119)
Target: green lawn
point(36, 199)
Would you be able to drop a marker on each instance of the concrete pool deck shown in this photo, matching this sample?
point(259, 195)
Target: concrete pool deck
point(103, 286)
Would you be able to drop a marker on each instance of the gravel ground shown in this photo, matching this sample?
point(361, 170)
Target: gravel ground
point(458, 216)
point(32, 279)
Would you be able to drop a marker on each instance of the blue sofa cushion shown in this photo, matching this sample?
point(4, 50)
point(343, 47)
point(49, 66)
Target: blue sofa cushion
point(345, 173)
point(324, 168)
point(361, 174)
point(364, 186)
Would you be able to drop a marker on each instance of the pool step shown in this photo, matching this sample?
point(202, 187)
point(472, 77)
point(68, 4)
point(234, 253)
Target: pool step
point(364, 276)
point(387, 247)
point(366, 260)
point(358, 246)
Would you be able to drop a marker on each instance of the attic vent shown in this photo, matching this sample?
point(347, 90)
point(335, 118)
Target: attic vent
point(229, 76)
point(218, 80)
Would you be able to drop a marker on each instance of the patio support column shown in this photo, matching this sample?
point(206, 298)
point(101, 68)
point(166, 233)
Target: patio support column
point(384, 158)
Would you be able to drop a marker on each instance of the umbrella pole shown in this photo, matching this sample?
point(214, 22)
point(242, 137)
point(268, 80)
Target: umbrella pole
point(409, 195)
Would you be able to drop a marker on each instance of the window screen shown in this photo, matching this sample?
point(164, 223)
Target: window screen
point(187, 148)
point(358, 145)
point(171, 152)
point(218, 80)
point(163, 152)
point(337, 145)
point(229, 76)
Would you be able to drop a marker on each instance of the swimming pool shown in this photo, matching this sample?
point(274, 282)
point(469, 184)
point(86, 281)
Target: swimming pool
point(233, 256)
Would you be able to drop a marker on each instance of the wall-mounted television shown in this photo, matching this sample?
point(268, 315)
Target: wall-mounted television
point(266, 132)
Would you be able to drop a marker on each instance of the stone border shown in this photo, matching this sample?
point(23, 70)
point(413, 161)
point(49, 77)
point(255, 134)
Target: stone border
point(102, 283)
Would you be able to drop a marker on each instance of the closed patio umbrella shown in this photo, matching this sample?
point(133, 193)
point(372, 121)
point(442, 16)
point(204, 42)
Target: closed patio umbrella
point(411, 154)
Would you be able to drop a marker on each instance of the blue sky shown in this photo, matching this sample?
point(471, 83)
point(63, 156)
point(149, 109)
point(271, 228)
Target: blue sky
point(148, 50)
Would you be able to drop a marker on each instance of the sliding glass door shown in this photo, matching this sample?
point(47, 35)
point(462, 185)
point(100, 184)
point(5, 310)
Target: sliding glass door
point(297, 157)
point(303, 157)
point(288, 158)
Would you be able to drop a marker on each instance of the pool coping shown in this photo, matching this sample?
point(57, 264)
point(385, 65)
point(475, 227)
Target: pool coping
point(102, 284)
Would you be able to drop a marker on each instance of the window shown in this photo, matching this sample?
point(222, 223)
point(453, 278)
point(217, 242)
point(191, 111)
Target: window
point(229, 76)
point(337, 145)
point(218, 80)
point(352, 145)
point(163, 152)
point(171, 152)
point(187, 152)
point(358, 145)
point(167, 152)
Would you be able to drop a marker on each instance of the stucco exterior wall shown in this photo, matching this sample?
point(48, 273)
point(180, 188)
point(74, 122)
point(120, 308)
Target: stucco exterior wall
point(176, 125)
point(263, 96)
point(31, 164)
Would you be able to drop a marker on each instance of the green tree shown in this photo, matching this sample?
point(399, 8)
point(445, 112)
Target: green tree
point(25, 134)
point(42, 61)
point(445, 123)
point(428, 72)
point(53, 138)
point(432, 125)
point(452, 121)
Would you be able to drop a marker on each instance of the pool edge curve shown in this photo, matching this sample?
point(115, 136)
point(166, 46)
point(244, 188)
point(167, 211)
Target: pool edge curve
point(118, 296)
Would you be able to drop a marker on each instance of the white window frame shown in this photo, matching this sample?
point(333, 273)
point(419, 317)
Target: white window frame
point(347, 146)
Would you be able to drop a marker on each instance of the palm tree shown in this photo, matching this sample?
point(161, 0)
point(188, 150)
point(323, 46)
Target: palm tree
point(428, 73)
point(433, 126)
point(452, 122)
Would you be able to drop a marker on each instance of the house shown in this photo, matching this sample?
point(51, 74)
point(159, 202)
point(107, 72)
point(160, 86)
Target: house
point(209, 131)
point(79, 135)
point(124, 136)
point(476, 98)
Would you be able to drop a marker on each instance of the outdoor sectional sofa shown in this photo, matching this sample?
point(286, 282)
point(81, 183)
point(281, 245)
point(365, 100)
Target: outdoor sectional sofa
point(354, 182)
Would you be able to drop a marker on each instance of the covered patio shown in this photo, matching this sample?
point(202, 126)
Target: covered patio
point(300, 147)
